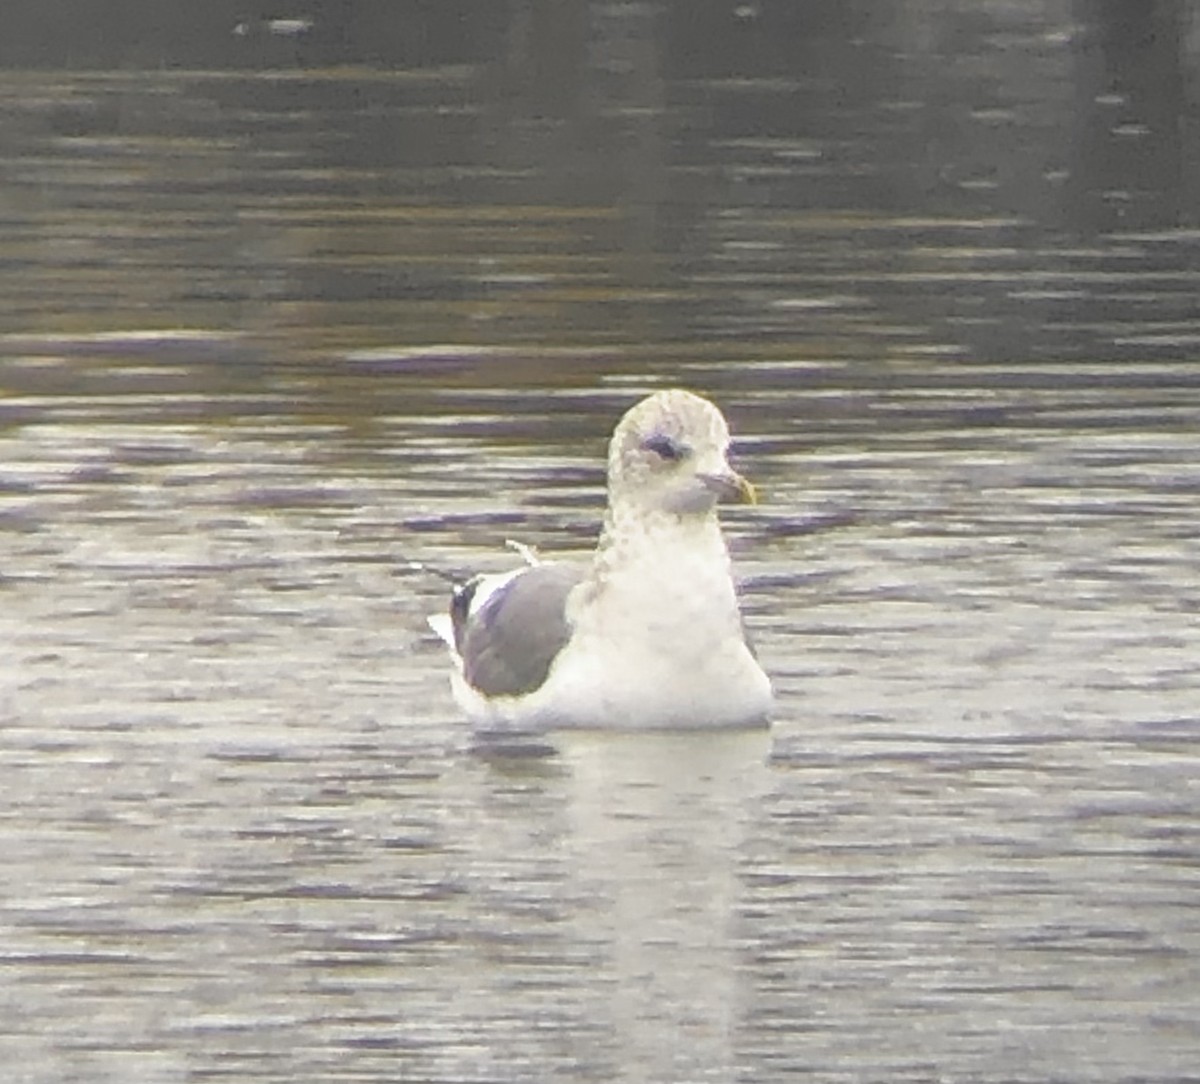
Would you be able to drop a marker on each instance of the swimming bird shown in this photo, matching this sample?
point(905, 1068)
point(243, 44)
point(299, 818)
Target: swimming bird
point(648, 633)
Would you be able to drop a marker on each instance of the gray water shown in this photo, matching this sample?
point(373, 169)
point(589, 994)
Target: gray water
point(270, 336)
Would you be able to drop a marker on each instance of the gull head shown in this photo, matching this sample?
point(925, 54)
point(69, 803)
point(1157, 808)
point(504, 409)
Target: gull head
point(669, 454)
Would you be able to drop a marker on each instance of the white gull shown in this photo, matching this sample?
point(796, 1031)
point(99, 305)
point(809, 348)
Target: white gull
point(647, 634)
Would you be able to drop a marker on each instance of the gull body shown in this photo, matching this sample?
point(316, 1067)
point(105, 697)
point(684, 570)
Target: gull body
point(648, 634)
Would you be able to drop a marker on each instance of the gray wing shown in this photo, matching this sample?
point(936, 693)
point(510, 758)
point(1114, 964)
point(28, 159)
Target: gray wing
point(507, 647)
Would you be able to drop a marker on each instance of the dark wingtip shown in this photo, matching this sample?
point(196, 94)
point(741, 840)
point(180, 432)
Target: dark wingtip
point(460, 609)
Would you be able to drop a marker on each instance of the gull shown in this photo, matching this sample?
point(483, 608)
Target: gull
point(646, 634)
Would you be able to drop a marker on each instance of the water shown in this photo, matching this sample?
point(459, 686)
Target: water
point(270, 335)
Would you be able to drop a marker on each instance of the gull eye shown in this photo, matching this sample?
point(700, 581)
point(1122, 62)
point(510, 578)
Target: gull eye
point(665, 447)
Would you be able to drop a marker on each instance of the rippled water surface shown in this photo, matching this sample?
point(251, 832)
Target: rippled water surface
point(273, 338)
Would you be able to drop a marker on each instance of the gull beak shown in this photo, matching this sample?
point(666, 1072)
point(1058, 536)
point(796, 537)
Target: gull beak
point(728, 485)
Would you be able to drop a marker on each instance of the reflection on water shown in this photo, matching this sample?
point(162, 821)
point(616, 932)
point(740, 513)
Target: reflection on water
point(658, 827)
point(622, 864)
point(269, 336)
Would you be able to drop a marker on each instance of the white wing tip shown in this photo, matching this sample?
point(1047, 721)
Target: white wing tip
point(528, 554)
point(443, 626)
